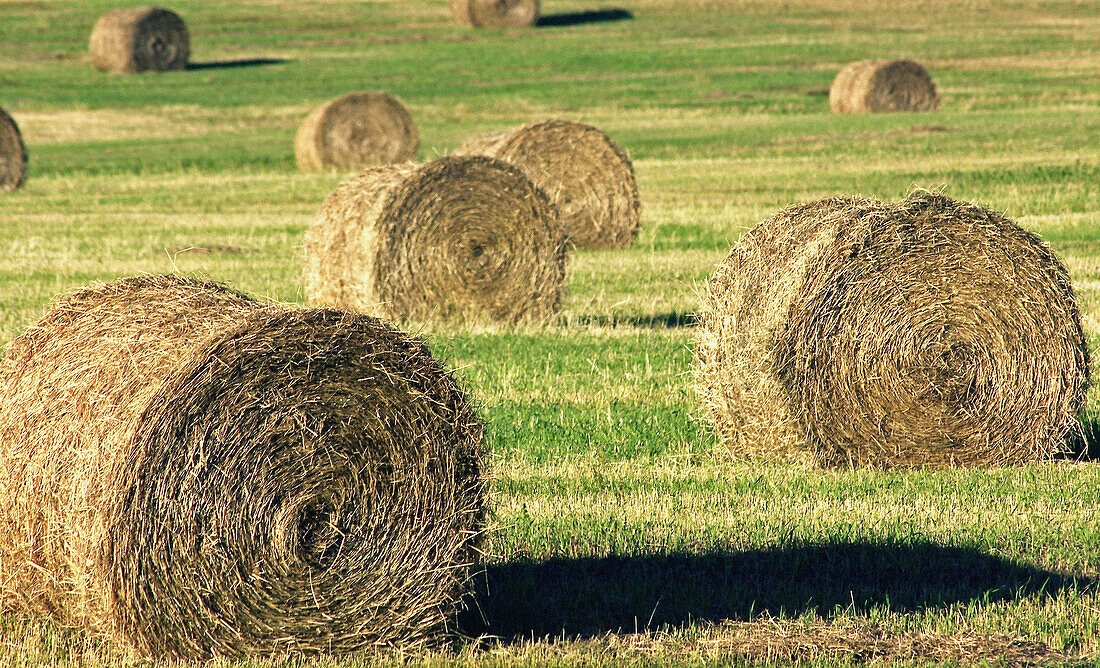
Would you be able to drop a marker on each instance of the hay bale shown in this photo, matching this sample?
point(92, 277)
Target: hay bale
point(141, 39)
point(458, 238)
point(194, 473)
point(496, 13)
point(588, 177)
point(920, 332)
point(13, 154)
point(883, 85)
point(355, 131)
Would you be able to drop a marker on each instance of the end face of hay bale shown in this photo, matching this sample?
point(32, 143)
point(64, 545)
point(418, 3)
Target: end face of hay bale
point(587, 176)
point(496, 13)
point(247, 478)
point(141, 39)
point(883, 86)
point(459, 238)
point(13, 154)
point(355, 131)
point(856, 331)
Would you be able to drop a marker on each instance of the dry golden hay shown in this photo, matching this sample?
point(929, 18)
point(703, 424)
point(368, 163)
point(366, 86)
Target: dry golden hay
point(355, 131)
point(883, 85)
point(194, 473)
point(13, 154)
point(496, 13)
point(139, 40)
point(921, 332)
point(588, 177)
point(458, 238)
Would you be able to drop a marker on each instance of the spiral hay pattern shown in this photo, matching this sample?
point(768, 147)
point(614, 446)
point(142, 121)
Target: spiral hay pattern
point(921, 332)
point(458, 238)
point(193, 473)
point(588, 177)
point(13, 154)
point(496, 13)
point(141, 39)
point(355, 131)
point(883, 85)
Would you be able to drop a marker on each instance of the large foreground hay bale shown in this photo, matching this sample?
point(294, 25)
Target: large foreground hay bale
point(461, 238)
point(139, 40)
point(195, 473)
point(355, 131)
point(13, 154)
point(883, 85)
point(925, 331)
point(496, 13)
point(588, 177)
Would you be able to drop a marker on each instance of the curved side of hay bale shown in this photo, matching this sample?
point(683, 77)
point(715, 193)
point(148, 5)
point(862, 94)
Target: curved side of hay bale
point(851, 330)
point(196, 474)
point(883, 86)
point(13, 154)
point(355, 131)
point(496, 13)
point(588, 177)
point(458, 238)
point(139, 40)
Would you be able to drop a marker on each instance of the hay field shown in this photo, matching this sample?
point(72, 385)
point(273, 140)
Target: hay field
point(622, 535)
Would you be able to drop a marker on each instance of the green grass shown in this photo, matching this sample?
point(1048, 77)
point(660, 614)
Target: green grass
point(621, 534)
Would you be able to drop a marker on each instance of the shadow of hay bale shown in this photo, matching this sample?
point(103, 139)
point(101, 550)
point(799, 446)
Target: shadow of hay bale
point(669, 320)
point(580, 18)
point(230, 64)
point(590, 597)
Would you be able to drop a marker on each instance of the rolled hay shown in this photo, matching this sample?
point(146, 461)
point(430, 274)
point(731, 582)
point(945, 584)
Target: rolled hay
point(921, 332)
point(355, 131)
point(193, 473)
point(459, 238)
point(588, 177)
point(141, 39)
point(496, 13)
point(13, 154)
point(883, 85)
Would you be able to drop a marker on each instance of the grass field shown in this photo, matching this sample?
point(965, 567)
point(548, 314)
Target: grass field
point(622, 534)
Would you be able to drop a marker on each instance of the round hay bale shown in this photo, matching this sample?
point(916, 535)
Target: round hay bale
point(921, 332)
point(355, 131)
point(883, 85)
point(13, 154)
point(588, 177)
point(141, 39)
point(496, 13)
point(194, 473)
point(458, 238)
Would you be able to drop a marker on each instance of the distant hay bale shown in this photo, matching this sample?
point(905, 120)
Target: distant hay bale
point(193, 473)
point(920, 332)
point(496, 13)
point(355, 131)
point(588, 177)
point(883, 85)
point(458, 238)
point(139, 40)
point(13, 154)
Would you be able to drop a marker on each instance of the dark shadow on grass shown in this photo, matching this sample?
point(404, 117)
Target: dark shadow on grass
point(228, 64)
point(590, 597)
point(1086, 446)
point(670, 320)
point(577, 18)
